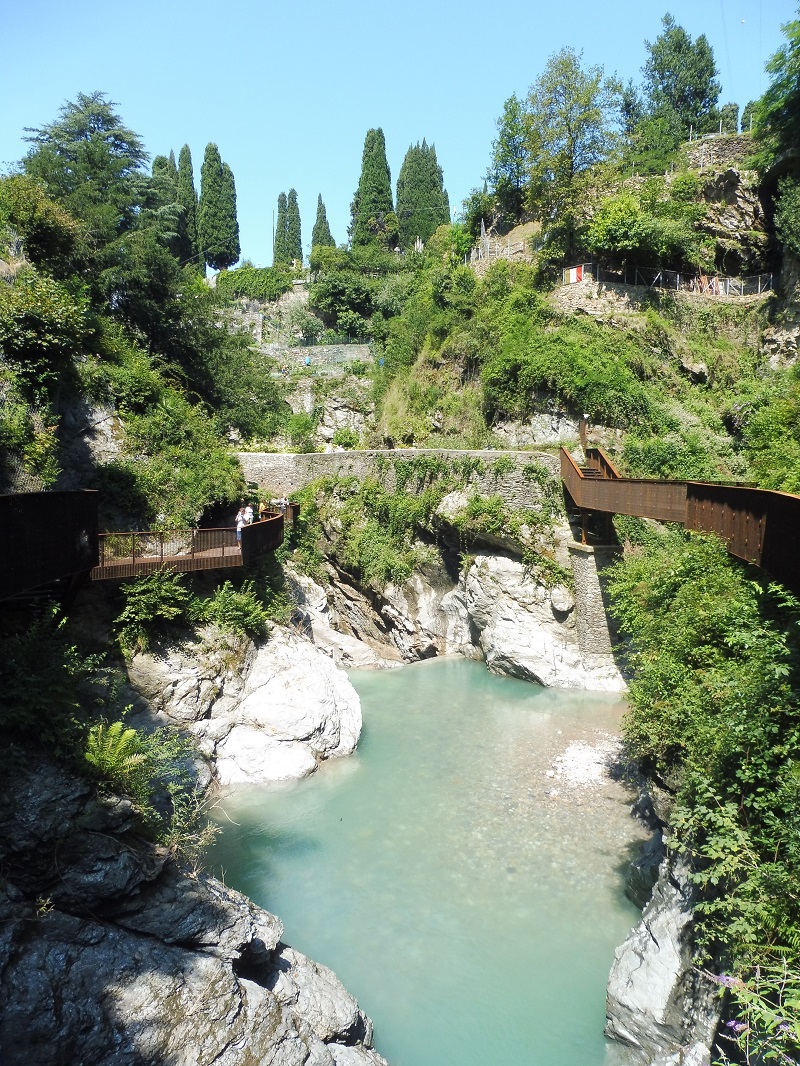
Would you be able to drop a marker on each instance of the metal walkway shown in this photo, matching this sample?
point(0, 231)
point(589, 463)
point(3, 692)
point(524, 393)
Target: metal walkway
point(757, 525)
point(50, 537)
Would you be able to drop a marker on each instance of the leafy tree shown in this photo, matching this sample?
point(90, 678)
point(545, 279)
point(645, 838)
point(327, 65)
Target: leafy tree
point(280, 250)
point(787, 215)
point(89, 162)
point(571, 115)
point(748, 116)
point(161, 166)
point(50, 235)
point(422, 204)
point(188, 241)
point(294, 243)
point(372, 218)
point(478, 207)
point(321, 234)
point(216, 219)
point(680, 76)
point(777, 116)
point(511, 160)
point(729, 117)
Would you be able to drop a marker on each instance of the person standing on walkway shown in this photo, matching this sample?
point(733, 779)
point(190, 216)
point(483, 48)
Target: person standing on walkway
point(241, 522)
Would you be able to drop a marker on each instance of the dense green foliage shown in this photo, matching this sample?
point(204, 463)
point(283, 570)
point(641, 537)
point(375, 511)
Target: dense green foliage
point(280, 246)
point(372, 217)
point(715, 712)
point(188, 244)
point(787, 215)
point(257, 283)
point(382, 534)
point(422, 203)
point(655, 224)
point(294, 243)
point(321, 234)
point(160, 604)
point(777, 114)
point(680, 79)
point(217, 225)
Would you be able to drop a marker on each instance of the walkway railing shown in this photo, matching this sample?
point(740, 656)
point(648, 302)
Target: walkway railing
point(757, 525)
point(656, 278)
point(131, 554)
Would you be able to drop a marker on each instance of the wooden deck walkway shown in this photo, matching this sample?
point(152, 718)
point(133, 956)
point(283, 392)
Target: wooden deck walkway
point(124, 555)
point(757, 525)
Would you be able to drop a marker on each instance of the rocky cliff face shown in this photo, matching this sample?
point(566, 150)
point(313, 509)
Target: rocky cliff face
point(111, 954)
point(259, 714)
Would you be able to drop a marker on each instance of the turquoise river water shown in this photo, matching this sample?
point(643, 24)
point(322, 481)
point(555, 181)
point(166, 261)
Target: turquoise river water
point(469, 901)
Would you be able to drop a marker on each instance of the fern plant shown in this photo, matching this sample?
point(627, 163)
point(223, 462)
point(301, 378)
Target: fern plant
point(119, 759)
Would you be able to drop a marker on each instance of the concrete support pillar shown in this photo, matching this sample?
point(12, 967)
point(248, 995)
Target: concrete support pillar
point(595, 634)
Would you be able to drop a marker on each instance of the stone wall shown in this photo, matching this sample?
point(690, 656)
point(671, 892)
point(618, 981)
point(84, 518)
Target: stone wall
point(595, 637)
point(727, 150)
point(280, 473)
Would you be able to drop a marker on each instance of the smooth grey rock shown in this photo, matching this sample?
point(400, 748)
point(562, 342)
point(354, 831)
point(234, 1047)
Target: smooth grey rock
point(657, 1001)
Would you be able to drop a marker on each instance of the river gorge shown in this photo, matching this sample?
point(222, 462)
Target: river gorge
point(463, 872)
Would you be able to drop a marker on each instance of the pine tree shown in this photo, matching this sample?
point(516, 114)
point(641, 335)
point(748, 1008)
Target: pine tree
point(216, 222)
point(422, 203)
point(294, 244)
point(371, 212)
point(321, 234)
point(189, 244)
point(280, 248)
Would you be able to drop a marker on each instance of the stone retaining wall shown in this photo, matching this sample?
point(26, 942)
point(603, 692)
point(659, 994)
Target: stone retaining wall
point(280, 473)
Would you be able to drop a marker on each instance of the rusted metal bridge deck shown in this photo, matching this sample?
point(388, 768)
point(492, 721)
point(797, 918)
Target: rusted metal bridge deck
point(122, 555)
point(757, 525)
point(50, 537)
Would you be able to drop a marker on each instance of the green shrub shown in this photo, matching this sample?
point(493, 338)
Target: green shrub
point(237, 610)
point(45, 684)
point(257, 283)
point(155, 771)
point(151, 604)
point(345, 438)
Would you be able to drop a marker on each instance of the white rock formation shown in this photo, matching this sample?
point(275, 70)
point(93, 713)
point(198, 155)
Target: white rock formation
point(523, 629)
point(262, 714)
point(657, 1001)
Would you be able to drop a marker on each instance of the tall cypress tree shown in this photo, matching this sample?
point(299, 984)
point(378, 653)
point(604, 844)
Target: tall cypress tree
point(216, 221)
point(371, 212)
point(321, 234)
point(189, 244)
point(294, 243)
point(280, 247)
point(422, 202)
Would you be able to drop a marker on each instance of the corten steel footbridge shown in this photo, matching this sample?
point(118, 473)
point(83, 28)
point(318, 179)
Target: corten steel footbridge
point(757, 525)
point(53, 536)
point(48, 537)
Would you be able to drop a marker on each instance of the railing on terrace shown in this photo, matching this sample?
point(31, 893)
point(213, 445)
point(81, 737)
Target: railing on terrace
point(124, 555)
point(654, 278)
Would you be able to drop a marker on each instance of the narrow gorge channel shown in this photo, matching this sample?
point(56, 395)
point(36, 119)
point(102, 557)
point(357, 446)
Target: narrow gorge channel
point(462, 873)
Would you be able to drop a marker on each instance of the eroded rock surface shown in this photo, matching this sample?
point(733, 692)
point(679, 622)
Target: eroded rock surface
point(267, 713)
point(657, 1001)
point(154, 966)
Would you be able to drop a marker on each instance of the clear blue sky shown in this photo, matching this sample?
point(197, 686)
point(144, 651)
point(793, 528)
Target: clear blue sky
point(288, 90)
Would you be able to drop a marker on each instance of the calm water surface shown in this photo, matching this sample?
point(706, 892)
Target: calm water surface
point(472, 912)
